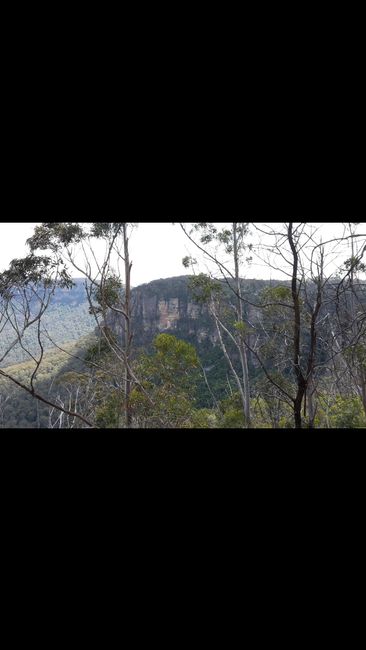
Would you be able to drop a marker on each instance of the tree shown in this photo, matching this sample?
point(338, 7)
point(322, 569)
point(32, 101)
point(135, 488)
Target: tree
point(232, 241)
point(170, 374)
point(349, 328)
point(297, 250)
point(26, 289)
point(108, 289)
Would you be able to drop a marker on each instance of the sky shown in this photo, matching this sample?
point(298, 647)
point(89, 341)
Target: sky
point(157, 250)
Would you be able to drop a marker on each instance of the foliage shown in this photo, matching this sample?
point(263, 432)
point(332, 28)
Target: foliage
point(281, 292)
point(231, 412)
point(108, 293)
point(171, 363)
point(67, 319)
point(52, 236)
point(170, 375)
point(204, 419)
point(354, 264)
point(345, 413)
point(203, 288)
point(173, 392)
point(19, 409)
point(110, 413)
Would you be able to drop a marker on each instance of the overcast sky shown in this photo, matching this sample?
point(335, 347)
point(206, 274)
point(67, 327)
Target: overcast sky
point(157, 250)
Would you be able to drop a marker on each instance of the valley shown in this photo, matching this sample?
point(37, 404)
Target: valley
point(210, 349)
point(163, 306)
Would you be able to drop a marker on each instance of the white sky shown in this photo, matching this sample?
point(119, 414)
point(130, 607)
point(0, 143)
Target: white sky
point(157, 249)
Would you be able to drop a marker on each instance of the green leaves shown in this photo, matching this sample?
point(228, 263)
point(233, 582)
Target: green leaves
point(172, 361)
point(356, 355)
point(355, 264)
point(243, 328)
point(203, 288)
point(169, 377)
point(53, 236)
point(108, 293)
point(106, 230)
point(210, 234)
point(188, 261)
point(280, 293)
point(345, 413)
point(33, 269)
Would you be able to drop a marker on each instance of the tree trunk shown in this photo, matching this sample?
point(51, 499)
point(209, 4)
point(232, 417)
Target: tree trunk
point(301, 382)
point(310, 401)
point(297, 411)
point(127, 328)
point(363, 388)
point(242, 349)
point(227, 357)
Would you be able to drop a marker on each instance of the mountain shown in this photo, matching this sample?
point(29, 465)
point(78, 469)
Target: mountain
point(164, 305)
point(66, 320)
point(18, 409)
point(160, 306)
point(167, 306)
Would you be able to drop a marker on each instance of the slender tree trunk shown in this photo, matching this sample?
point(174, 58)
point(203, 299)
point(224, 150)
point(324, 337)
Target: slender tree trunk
point(310, 401)
point(227, 357)
point(242, 349)
point(310, 386)
point(38, 420)
point(361, 374)
point(363, 388)
point(301, 382)
point(127, 328)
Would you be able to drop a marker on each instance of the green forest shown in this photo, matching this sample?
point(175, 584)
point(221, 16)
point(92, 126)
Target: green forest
point(211, 349)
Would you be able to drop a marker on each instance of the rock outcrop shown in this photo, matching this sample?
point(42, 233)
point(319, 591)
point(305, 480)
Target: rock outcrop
point(167, 306)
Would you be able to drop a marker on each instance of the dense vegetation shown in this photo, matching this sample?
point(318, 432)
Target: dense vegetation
point(67, 319)
point(187, 381)
point(206, 350)
point(18, 409)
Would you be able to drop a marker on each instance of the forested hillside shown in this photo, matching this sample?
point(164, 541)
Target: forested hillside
point(67, 319)
point(161, 307)
point(210, 349)
point(18, 409)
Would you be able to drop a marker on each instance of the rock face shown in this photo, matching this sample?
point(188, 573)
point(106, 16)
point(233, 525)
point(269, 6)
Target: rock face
point(168, 313)
point(167, 306)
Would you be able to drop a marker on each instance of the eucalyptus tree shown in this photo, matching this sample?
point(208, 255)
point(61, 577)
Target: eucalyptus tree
point(170, 375)
point(107, 274)
point(26, 289)
point(349, 328)
point(225, 249)
point(307, 259)
point(289, 316)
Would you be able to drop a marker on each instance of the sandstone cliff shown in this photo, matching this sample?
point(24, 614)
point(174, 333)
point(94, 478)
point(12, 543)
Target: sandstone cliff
point(167, 306)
